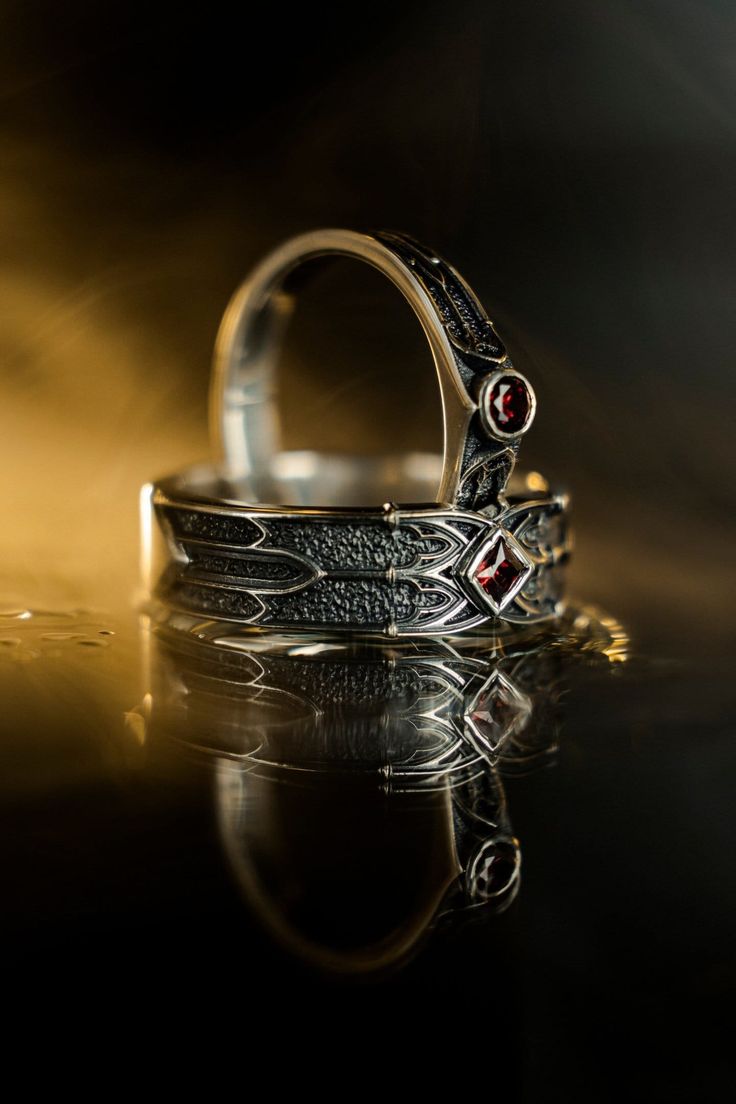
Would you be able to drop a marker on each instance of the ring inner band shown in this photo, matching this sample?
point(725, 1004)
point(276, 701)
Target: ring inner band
point(313, 479)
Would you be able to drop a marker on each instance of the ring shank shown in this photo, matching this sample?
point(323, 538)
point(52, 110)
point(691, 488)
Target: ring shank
point(307, 480)
point(243, 402)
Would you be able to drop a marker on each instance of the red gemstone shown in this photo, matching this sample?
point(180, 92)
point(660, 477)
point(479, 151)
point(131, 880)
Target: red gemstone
point(509, 404)
point(495, 869)
point(495, 713)
point(499, 711)
point(499, 571)
point(494, 710)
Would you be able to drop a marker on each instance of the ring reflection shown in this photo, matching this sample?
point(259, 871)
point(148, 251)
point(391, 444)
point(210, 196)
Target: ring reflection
point(358, 787)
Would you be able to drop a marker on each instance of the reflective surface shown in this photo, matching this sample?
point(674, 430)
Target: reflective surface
point(358, 788)
point(541, 824)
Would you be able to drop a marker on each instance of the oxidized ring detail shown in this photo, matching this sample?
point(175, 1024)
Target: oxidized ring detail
point(485, 545)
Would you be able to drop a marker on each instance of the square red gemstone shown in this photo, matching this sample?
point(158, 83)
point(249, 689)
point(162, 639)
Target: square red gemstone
point(499, 710)
point(499, 571)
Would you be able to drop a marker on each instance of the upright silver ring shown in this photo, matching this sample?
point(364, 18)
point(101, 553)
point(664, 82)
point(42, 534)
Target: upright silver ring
point(481, 547)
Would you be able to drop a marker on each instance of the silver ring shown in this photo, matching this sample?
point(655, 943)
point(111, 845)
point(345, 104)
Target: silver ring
point(481, 547)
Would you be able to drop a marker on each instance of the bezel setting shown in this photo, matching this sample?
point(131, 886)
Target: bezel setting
point(484, 551)
point(518, 703)
point(484, 401)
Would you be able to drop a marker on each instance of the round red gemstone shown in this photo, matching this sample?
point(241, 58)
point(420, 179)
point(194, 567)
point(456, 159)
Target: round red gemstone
point(509, 404)
point(496, 870)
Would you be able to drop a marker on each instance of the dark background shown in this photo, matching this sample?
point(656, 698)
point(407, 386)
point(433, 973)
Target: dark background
point(575, 161)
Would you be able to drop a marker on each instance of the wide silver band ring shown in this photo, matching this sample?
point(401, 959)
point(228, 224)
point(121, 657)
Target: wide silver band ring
point(479, 546)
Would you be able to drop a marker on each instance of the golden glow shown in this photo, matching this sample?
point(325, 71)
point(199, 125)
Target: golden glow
point(136, 720)
point(605, 635)
point(536, 482)
point(92, 404)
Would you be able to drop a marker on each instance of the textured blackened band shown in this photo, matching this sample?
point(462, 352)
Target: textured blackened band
point(392, 571)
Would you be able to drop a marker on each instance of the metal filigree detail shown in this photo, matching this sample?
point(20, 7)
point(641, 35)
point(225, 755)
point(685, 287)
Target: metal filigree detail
point(257, 569)
point(487, 461)
point(542, 530)
point(484, 481)
point(397, 572)
point(466, 323)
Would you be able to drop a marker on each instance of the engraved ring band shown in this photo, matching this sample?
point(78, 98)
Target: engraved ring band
point(249, 539)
